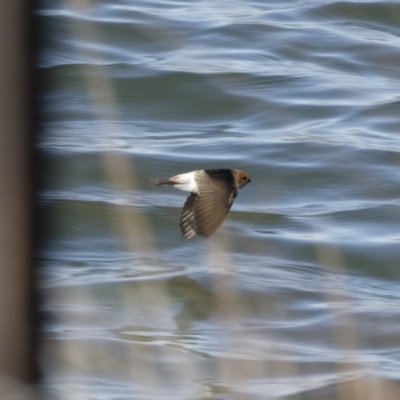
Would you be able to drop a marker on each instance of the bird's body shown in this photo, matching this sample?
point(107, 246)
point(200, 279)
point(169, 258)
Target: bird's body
point(212, 194)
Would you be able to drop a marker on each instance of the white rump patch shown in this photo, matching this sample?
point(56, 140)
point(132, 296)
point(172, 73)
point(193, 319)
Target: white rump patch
point(186, 182)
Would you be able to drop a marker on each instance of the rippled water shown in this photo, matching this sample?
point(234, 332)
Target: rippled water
point(297, 295)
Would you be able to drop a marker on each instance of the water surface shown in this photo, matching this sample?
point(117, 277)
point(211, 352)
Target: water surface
point(297, 295)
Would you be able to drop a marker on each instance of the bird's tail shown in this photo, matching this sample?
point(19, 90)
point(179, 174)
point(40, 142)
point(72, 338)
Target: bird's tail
point(160, 182)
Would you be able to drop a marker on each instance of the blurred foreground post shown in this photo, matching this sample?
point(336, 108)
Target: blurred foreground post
point(16, 354)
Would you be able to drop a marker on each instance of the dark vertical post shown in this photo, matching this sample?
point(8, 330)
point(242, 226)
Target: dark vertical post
point(16, 354)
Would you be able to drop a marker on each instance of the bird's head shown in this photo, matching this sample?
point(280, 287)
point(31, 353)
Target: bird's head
point(241, 178)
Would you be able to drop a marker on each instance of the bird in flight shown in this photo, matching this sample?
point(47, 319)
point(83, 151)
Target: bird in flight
point(212, 194)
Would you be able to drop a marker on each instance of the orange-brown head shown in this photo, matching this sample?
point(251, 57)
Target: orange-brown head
point(241, 178)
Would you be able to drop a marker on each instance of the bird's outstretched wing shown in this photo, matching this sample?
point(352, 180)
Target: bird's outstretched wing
point(203, 213)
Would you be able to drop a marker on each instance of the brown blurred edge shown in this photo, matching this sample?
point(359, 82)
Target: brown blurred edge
point(17, 177)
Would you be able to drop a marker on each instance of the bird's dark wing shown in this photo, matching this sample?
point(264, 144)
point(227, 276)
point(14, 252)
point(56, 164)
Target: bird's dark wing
point(188, 224)
point(203, 213)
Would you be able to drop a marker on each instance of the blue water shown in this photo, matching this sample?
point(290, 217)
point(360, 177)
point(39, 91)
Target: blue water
point(297, 295)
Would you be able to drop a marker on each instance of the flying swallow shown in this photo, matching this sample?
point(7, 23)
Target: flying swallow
point(212, 194)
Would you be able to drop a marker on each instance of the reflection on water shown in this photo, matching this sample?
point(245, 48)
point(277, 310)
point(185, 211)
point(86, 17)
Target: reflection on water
point(296, 296)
